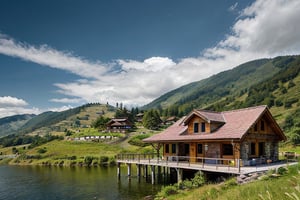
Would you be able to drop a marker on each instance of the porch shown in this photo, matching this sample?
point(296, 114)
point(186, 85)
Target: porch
point(219, 165)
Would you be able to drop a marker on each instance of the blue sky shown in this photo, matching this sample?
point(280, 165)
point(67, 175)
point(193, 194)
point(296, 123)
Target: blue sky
point(60, 54)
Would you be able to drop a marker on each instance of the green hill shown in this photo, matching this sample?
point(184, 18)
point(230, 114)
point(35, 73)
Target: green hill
point(50, 122)
point(273, 82)
point(9, 125)
point(78, 117)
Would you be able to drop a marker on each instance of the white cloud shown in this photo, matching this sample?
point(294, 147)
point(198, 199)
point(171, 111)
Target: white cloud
point(267, 28)
point(60, 109)
point(66, 100)
point(154, 64)
point(14, 106)
point(45, 55)
point(10, 106)
point(233, 7)
point(8, 101)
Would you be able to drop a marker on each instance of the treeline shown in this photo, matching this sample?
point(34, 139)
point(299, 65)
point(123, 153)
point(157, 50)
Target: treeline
point(221, 92)
point(49, 118)
point(14, 140)
point(292, 127)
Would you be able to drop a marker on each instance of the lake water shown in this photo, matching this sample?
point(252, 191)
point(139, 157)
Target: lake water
point(78, 183)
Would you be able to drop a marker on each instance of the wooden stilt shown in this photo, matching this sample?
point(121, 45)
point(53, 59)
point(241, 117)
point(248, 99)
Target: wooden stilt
point(129, 170)
point(152, 174)
point(119, 171)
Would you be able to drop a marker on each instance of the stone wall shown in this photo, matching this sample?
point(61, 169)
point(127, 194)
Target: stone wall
point(271, 151)
point(245, 151)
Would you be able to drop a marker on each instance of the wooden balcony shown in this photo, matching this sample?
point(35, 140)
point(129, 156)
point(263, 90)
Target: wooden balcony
point(221, 165)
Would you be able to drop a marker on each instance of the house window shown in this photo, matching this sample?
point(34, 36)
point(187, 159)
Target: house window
point(199, 148)
point(167, 148)
point(262, 125)
point(227, 149)
point(202, 127)
point(196, 127)
point(261, 149)
point(252, 150)
point(255, 128)
point(173, 148)
point(186, 149)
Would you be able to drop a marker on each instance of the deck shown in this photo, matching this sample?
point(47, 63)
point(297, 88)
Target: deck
point(220, 165)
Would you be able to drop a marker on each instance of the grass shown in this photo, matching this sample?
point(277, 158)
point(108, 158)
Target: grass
point(284, 187)
point(69, 152)
point(289, 147)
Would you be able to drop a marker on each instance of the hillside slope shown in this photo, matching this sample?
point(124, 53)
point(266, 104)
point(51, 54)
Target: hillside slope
point(273, 82)
point(49, 122)
point(9, 125)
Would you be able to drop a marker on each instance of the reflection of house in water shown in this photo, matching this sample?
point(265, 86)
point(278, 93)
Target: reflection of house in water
point(249, 134)
point(118, 125)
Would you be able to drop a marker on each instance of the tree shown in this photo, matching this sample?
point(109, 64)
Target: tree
point(295, 136)
point(100, 123)
point(151, 119)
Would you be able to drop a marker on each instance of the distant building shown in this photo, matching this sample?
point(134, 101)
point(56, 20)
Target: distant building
point(119, 125)
point(139, 117)
point(170, 120)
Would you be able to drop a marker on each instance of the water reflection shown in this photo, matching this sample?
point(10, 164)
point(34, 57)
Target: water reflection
point(28, 182)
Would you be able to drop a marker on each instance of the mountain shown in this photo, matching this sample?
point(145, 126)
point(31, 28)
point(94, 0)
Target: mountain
point(81, 116)
point(274, 82)
point(46, 122)
point(9, 125)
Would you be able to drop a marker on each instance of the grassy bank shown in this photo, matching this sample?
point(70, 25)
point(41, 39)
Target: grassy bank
point(269, 187)
point(67, 153)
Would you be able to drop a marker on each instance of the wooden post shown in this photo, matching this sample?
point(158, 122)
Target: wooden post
point(119, 171)
point(138, 170)
point(159, 175)
point(152, 174)
point(146, 172)
point(129, 170)
point(179, 175)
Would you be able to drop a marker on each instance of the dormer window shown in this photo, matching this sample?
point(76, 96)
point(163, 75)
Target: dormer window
point(196, 127)
point(202, 127)
point(262, 125)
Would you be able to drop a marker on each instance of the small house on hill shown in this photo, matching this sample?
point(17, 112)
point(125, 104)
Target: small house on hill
point(119, 125)
point(250, 136)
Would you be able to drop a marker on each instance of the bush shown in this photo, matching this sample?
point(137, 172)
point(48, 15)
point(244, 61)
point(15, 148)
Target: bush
point(167, 191)
point(199, 179)
point(289, 102)
point(282, 170)
point(43, 150)
point(14, 150)
point(88, 160)
point(137, 140)
point(112, 161)
point(186, 184)
point(104, 160)
point(229, 183)
point(72, 158)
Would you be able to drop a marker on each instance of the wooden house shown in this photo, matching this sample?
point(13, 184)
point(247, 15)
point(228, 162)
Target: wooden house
point(119, 125)
point(248, 136)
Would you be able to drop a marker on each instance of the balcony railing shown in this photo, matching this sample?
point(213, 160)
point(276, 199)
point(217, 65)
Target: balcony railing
point(215, 164)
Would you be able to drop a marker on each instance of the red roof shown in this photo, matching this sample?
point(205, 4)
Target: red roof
point(236, 124)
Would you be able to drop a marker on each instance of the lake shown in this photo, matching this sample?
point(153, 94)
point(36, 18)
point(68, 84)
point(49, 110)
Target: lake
point(78, 183)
